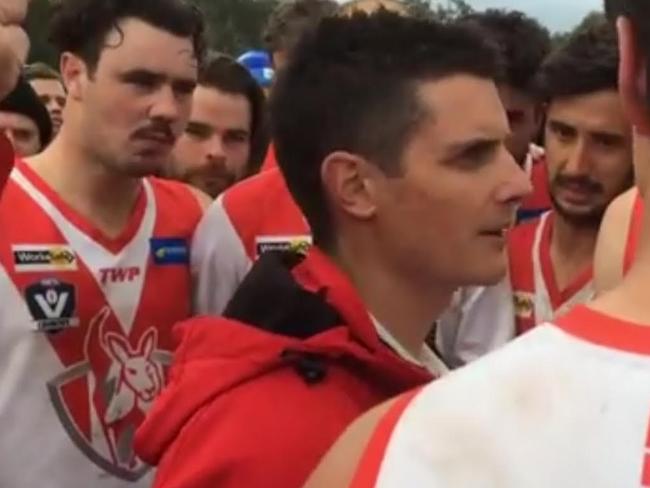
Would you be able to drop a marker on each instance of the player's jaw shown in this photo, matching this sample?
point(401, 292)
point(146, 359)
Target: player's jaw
point(579, 199)
point(213, 177)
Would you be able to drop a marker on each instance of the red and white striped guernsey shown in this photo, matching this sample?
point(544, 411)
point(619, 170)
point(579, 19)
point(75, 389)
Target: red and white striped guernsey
point(85, 331)
point(566, 405)
point(537, 297)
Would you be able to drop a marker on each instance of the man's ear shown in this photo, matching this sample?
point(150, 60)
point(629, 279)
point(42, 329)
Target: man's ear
point(74, 73)
point(632, 78)
point(350, 183)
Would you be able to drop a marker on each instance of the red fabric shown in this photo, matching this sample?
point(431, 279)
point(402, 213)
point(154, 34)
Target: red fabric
point(263, 206)
point(558, 296)
point(540, 198)
point(270, 161)
point(522, 276)
point(235, 414)
point(634, 232)
point(605, 330)
point(521, 250)
point(6, 160)
point(115, 245)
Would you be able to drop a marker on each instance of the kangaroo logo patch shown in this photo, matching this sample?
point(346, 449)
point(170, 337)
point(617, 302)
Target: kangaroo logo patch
point(120, 375)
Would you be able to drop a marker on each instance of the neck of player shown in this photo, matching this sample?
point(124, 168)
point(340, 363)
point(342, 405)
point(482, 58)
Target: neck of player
point(572, 250)
point(629, 300)
point(104, 197)
point(405, 307)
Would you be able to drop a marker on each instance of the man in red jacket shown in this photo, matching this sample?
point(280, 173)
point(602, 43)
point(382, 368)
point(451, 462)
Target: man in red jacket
point(312, 340)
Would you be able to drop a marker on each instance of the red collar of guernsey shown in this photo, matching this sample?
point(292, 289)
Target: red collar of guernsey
point(113, 245)
point(558, 297)
point(607, 331)
point(317, 273)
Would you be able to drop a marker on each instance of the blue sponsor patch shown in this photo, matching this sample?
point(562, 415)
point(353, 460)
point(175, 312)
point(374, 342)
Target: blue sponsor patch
point(170, 251)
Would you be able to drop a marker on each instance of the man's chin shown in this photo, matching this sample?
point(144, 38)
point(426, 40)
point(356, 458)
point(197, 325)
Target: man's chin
point(587, 217)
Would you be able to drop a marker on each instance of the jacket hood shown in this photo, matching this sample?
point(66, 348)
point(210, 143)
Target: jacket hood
point(291, 310)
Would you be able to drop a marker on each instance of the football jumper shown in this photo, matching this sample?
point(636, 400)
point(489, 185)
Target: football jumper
point(85, 331)
point(536, 295)
point(565, 406)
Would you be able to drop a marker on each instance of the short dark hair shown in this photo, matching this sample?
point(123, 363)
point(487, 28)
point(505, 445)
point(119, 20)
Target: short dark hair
point(41, 71)
point(291, 19)
point(587, 63)
point(638, 12)
point(225, 74)
point(351, 86)
point(523, 42)
point(81, 26)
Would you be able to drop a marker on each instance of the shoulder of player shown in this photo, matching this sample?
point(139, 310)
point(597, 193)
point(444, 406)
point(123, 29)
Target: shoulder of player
point(616, 221)
point(339, 466)
point(621, 207)
point(260, 186)
point(609, 257)
point(180, 193)
point(251, 199)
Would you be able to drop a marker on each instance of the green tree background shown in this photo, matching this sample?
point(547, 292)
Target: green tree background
point(235, 26)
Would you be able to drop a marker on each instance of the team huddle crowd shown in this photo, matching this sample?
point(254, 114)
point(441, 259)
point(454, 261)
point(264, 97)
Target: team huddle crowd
point(384, 251)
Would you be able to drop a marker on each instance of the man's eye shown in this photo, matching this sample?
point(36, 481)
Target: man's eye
point(197, 132)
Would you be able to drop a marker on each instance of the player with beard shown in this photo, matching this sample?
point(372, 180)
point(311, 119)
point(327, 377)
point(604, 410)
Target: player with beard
point(226, 137)
point(564, 406)
point(589, 157)
point(94, 252)
point(589, 161)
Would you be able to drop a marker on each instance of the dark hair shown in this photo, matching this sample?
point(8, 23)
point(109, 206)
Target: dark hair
point(638, 12)
point(291, 19)
point(351, 86)
point(523, 43)
point(24, 100)
point(81, 26)
point(227, 75)
point(40, 71)
point(587, 63)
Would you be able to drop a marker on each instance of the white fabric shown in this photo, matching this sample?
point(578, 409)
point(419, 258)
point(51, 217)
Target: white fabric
point(426, 359)
point(39, 452)
point(479, 320)
point(542, 299)
point(219, 261)
point(547, 410)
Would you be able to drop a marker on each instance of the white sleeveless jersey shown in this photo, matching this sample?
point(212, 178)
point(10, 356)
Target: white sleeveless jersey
point(85, 332)
point(563, 406)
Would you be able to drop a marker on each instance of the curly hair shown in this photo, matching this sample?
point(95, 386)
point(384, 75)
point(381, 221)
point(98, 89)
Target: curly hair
point(523, 42)
point(81, 26)
point(293, 18)
point(587, 63)
point(351, 87)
